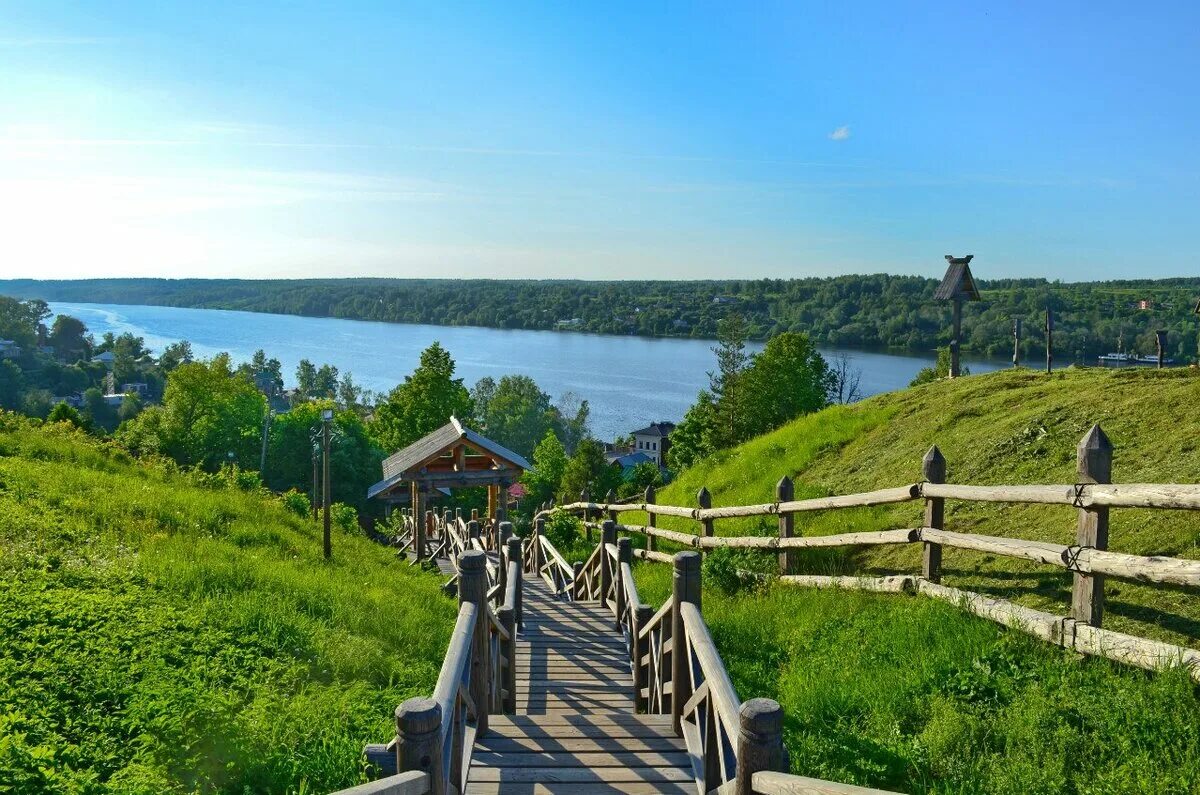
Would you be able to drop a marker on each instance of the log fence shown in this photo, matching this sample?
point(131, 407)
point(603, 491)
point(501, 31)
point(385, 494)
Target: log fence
point(1088, 560)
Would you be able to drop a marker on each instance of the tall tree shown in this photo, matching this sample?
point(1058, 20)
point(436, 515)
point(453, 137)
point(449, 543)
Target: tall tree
point(424, 402)
point(725, 383)
point(692, 439)
point(326, 385)
point(306, 379)
point(549, 463)
point(518, 414)
point(353, 458)
point(788, 378)
point(573, 413)
point(68, 338)
point(589, 469)
point(175, 354)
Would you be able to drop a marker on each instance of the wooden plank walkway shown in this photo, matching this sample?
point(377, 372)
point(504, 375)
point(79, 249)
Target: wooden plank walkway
point(576, 729)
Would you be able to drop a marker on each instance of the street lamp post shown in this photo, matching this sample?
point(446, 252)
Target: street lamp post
point(326, 419)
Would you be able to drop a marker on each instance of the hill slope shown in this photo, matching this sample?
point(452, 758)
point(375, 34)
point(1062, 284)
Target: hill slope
point(914, 695)
point(161, 634)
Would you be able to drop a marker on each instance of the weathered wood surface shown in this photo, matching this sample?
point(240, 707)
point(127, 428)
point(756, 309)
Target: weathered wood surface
point(770, 783)
point(576, 729)
point(894, 584)
point(414, 782)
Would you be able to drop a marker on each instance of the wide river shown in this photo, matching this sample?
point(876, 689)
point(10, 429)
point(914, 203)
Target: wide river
point(628, 381)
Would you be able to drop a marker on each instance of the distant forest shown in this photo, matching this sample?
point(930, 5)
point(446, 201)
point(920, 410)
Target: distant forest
point(864, 311)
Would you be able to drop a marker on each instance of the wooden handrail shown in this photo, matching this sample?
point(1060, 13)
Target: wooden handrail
point(413, 782)
point(455, 663)
point(704, 649)
point(769, 782)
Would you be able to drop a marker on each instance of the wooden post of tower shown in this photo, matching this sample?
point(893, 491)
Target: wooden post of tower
point(957, 285)
point(1049, 339)
point(1016, 342)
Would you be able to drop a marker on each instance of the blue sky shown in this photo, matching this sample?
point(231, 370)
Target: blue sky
point(606, 140)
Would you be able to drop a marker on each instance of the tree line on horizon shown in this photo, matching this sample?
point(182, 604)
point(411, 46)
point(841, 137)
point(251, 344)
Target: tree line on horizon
point(876, 311)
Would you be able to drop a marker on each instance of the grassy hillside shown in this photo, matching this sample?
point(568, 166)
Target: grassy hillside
point(911, 694)
point(163, 635)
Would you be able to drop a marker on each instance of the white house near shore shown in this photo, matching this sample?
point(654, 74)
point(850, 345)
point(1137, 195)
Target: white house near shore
point(653, 441)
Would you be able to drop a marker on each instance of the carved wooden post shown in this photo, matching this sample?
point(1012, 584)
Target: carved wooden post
point(685, 587)
point(608, 535)
point(419, 740)
point(472, 587)
point(641, 649)
point(759, 742)
point(704, 500)
point(539, 529)
point(1094, 466)
point(785, 492)
point(584, 496)
point(472, 530)
point(624, 555)
point(515, 553)
point(651, 518)
point(933, 467)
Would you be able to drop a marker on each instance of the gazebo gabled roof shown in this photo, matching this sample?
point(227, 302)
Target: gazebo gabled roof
point(958, 281)
point(440, 459)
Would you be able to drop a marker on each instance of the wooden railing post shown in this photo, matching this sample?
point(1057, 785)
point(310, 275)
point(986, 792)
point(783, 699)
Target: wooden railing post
point(419, 740)
point(785, 491)
point(576, 580)
point(704, 500)
point(516, 553)
point(624, 555)
point(610, 498)
point(419, 523)
point(608, 535)
point(539, 529)
point(651, 518)
point(505, 533)
point(685, 587)
point(933, 468)
point(1094, 461)
point(641, 647)
point(430, 525)
point(585, 497)
point(472, 530)
point(472, 587)
point(759, 742)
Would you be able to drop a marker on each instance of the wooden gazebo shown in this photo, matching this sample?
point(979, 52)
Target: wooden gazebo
point(453, 456)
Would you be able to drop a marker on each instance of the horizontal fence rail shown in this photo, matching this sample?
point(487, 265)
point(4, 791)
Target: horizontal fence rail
point(1088, 560)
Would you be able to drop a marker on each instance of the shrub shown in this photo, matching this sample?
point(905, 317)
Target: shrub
point(563, 530)
point(345, 518)
point(732, 570)
point(296, 502)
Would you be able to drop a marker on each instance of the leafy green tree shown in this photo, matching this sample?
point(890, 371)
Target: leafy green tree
point(573, 415)
point(306, 379)
point(481, 397)
point(693, 438)
point(549, 462)
point(97, 411)
point(519, 414)
point(68, 338)
point(349, 393)
point(175, 354)
point(18, 321)
point(787, 379)
point(326, 384)
point(208, 411)
point(589, 469)
point(12, 384)
point(644, 474)
point(354, 460)
point(424, 402)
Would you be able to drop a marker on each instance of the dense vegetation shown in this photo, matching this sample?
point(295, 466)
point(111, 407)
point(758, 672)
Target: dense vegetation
point(868, 311)
point(168, 632)
point(910, 694)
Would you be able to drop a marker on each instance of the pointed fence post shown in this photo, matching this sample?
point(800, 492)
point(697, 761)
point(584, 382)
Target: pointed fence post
point(419, 740)
point(472, 587)
point(685, 587)
point(785, 491)
point(608, 535)
point(933, 467)
point(759, 742)
point(651, 519)
point(704, 500)
point(1094, 466)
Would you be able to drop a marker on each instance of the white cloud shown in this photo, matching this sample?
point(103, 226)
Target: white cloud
point(841, 133)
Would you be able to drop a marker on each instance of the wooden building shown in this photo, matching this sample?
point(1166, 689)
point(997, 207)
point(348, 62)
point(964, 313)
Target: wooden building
point(451, 457)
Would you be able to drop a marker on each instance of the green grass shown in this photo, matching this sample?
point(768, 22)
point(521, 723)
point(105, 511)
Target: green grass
point(159, 636)
point(912, 694)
